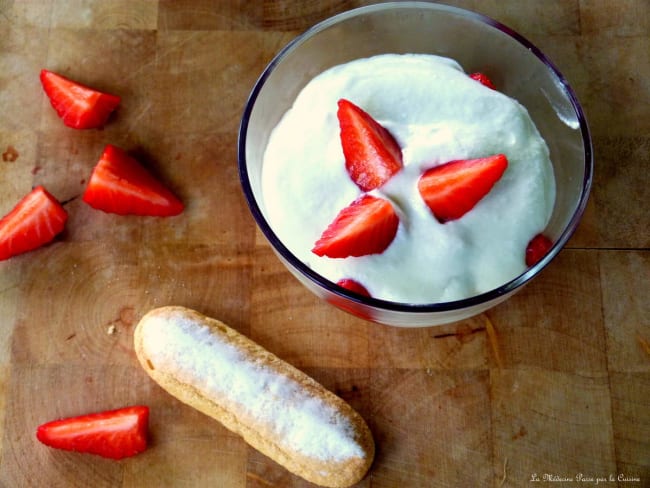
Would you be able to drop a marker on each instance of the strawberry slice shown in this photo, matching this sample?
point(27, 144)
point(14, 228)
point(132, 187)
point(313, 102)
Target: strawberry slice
point(537, 249)
point(454, 188)
point(483, 79)
point(78, 106)
point(113, 434)
point(372, 154)
point(366, 226)
point(119, 184)
point(35, 220)
point(353, 285)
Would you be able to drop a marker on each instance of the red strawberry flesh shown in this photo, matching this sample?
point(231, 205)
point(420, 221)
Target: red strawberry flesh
point(79, 106)
point(483, 80)
point(537, 248)
point(114, 434)
point(452, 189)
point(372, 154)
point(366, 226)
point(120, 184)
point(33, 222)
point(353, 285)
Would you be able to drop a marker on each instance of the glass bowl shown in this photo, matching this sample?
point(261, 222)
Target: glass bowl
point(478, 43)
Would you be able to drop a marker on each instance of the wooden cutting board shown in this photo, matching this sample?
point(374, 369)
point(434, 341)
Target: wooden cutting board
point(556, 387)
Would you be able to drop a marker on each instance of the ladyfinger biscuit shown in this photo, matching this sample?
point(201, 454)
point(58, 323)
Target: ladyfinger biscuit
point(276, 408)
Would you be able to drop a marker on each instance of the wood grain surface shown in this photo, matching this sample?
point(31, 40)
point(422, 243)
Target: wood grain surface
point(552, 383)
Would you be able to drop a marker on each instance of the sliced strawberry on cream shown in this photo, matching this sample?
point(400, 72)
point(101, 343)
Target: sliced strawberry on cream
point(372, 155)
point(353, 285)
point(452, 189)
point(366, 226)
point(79, 106)
point(483, 79)
point(120, 184)
point(537, 248)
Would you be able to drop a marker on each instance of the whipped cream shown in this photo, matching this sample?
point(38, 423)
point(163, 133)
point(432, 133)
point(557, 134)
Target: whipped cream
point(437, 114)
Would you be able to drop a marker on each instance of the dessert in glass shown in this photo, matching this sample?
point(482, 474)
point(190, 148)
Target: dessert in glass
point(393, 241)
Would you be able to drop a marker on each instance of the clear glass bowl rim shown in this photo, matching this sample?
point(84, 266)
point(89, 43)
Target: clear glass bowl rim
point(418, 308)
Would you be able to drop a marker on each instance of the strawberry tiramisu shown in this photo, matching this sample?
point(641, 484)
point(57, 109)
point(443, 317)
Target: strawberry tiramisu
point(404, 178)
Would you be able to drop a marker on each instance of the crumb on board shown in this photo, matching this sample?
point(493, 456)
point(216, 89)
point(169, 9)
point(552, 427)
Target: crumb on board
point(111, 329)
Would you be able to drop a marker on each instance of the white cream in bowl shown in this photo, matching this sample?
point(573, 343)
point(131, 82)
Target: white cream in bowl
point(437, 114)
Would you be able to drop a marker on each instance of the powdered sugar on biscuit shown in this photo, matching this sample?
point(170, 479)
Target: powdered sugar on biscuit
point(203, 358)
